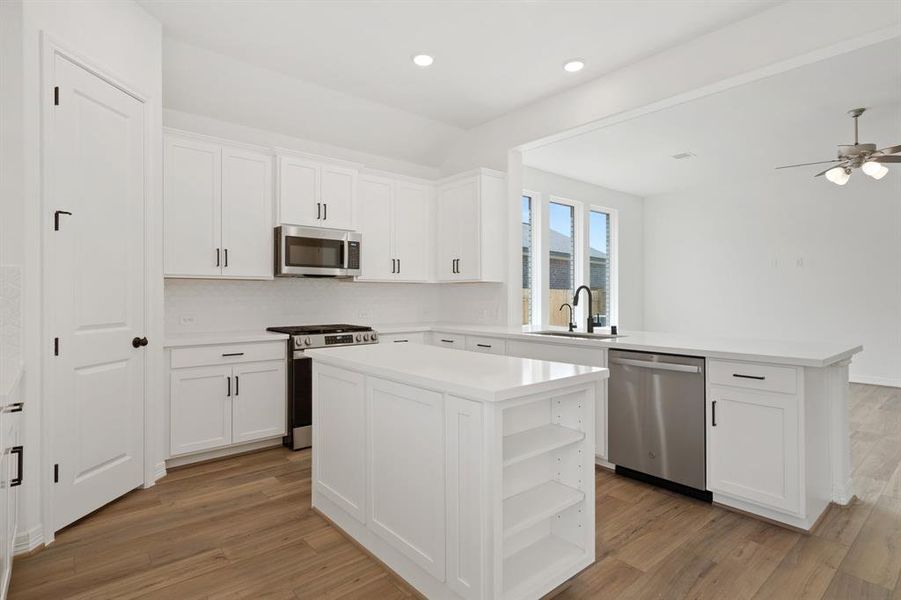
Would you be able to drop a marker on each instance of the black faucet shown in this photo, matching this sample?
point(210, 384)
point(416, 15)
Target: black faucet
point(572, 326)
point(576, 303)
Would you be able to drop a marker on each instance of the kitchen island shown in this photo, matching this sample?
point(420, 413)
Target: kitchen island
point(469, 475)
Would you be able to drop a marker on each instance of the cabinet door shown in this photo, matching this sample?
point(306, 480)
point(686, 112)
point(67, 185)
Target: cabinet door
point(470, 239)
point(375, 220)
point(7, 461)
point(192, 202)
point(338, 185)
point(200, 409)
point(298, 192)
point(259, 401)
point(339, 464)
point(406, 471)
point(412, 231)
point(753, 447)
point(447, 233)
point(463, 435)
point(246, 214)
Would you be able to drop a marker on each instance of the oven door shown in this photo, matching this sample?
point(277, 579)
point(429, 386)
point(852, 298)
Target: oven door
point(309, 251)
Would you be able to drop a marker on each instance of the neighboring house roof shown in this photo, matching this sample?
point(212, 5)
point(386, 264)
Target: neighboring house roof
point(560, 244)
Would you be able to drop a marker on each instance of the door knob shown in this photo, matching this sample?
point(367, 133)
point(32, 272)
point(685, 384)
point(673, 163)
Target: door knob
point(139, 342)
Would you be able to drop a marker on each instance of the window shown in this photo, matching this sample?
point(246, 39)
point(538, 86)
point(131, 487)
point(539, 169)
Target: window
point(561, 247)
point(526, 260)
point(599, 265)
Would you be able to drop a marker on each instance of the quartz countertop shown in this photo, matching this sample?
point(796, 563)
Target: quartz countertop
point(478, 376)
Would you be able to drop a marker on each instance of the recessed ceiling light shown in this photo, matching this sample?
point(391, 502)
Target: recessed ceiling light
point(574, 65)
point(422, 60)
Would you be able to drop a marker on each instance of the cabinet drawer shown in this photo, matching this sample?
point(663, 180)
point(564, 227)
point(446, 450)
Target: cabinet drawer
point(449, 340)
point(753, 376)
point(227, 354)
point(416, 337)
point(486, 344)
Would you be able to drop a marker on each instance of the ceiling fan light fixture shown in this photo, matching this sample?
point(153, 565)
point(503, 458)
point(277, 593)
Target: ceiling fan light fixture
point(838, 175)
point(874, 169)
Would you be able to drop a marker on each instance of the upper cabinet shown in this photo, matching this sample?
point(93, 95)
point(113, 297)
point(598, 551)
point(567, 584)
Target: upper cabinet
point(394, 217)
point(470, 226)
point(217, 203)
point(315, 193)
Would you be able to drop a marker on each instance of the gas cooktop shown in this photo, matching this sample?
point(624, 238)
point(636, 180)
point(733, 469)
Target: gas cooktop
point(318, 329)
point(321, 336)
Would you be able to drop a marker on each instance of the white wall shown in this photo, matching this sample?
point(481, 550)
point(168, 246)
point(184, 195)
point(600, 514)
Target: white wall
point(630, 211)
point(782, 256)
point(120, 38)
point(202, 82)
point(794, 31)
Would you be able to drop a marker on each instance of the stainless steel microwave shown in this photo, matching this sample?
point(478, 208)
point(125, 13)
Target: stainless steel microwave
point(316, 252)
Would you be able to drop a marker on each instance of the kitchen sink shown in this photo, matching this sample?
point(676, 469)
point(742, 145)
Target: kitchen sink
point(580, 335)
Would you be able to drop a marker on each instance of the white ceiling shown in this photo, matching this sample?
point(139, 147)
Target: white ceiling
point(794, 117)
point(490, 56)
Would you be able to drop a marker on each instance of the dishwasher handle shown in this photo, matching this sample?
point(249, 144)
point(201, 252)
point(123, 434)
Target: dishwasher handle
point(661, 366)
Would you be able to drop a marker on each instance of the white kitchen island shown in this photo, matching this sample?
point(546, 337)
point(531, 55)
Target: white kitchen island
point(469, 475)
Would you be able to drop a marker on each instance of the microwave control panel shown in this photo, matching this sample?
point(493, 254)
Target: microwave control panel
point(353, 255)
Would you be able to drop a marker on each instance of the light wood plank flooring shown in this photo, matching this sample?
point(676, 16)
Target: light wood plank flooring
point(242, 528)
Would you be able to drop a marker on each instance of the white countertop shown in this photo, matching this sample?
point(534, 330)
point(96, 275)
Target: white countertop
point(221, 337)
point(473, 375)
point(803, 354)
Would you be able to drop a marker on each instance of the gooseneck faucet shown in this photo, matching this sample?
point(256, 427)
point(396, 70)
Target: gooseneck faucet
point(572, 326)
point(590, 328)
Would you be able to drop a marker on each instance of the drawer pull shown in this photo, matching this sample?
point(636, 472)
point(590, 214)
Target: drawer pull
point(484, 345)
point(400, 341)
point(233, 354)
point(757, 377)
point(448, 341)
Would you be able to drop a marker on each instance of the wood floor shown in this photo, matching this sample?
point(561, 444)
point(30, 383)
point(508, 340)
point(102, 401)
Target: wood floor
point(242, 528)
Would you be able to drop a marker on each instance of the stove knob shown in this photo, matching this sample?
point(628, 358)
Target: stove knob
point(359, 337)
point(307, 341)
point(365, 337)
point(374, 338)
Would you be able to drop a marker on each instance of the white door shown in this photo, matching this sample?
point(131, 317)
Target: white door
point(411, 231)
point(259, 401)
point(246, 213)
point(94, 274)
point(753, 448)
point(337, 189)
point(298, 192)
point(406, 486)
point(191, 198)
point(376, 216)
point(447, 234)
point(200, 408)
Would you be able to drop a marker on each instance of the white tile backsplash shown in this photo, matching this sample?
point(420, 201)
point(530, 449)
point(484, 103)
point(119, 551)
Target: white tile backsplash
point(194, 305)
point(10, 317)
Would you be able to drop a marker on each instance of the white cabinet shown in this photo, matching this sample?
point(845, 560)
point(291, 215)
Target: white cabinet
point(315, 193)
point(487, 345)
point(221, 395)
point(448, 340)
point(406, 471)
point(10, 478)
point(469, 227)
point(394, 217)
point(413, 337)
point(217, 210)
point(753, 447)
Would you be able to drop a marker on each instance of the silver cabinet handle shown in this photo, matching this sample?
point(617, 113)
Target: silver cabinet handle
point(646, 364)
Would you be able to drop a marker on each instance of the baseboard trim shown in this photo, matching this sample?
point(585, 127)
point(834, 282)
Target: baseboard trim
point(868, 380)
point(159, 470)
point(26, 541)
point(180, 461)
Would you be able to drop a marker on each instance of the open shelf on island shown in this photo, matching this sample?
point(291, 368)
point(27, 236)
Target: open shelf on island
point(533, 442)
point(533, 561)
point(536, 504)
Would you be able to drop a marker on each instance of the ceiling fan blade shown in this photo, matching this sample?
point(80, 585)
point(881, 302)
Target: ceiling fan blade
point(844, 164)
point(822, 162)
point(891, 150)
point(886, 159)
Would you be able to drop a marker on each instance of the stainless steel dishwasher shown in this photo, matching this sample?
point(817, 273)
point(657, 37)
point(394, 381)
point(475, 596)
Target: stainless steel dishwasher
point(656, 426)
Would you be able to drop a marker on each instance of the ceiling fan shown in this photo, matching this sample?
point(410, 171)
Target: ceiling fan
point(856, 156)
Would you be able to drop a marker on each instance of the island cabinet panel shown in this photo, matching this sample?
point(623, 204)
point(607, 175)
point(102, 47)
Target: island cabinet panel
point(465, 514)
point(406, 471)
point(339, 464)
point(754, 447)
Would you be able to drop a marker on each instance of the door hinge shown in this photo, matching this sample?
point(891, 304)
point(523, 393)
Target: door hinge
point(56, 346)
point(56, 96)
point(56, 473)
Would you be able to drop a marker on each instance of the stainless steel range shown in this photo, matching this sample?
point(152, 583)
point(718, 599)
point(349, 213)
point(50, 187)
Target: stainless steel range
point(300, 371)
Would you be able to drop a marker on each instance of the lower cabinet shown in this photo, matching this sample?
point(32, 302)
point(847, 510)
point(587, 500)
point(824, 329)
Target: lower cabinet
point(754, 447)
point(10, 478)
point(218, 405)
point(413, 337)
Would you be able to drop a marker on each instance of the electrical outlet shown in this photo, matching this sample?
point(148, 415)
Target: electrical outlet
point(187, 320)
point(363, 315)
